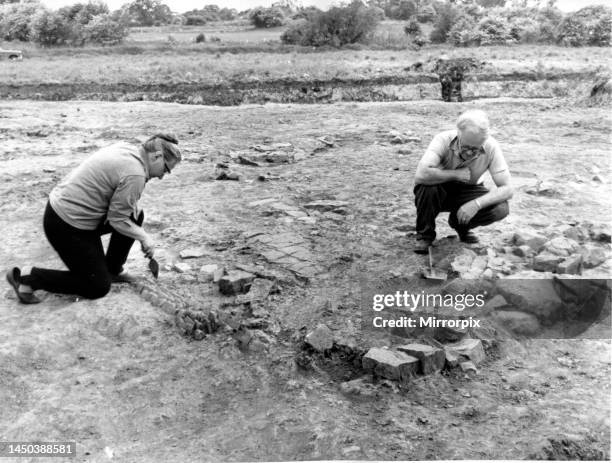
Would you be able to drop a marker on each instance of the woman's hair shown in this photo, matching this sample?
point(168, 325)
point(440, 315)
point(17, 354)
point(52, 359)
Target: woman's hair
point(474, 120)
point(164, 142)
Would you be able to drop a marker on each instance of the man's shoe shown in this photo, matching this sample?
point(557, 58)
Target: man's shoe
point(468, 237)
point(123, 277)
point(13, 276)
point(422, 246)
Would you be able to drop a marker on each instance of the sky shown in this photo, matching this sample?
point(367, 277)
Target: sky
point(181, 6)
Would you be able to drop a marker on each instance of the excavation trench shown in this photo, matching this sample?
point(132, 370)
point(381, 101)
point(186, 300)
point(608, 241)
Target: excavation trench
point(411, 86)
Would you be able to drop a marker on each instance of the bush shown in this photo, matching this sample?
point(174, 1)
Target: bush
point(267, 17)
point(600, 35)
point(102, 29)
point(426, 15)
point(49, 28)
point(464, 33)
point(82, 13)
point(336, 27)
point(200, 38)
point(572, 32)
point(446, 16)
point(194, 20)
point(15, 20)
point(525, 30)
point(412, 28)
point(493, 31)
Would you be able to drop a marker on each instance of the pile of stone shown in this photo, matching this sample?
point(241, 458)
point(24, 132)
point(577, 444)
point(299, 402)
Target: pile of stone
point(196, 324)
point(264, 154)
point(403, 363)
point(400, 138)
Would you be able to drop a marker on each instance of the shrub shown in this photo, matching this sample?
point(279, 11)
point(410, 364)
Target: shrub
point(600, 35)
point(200, 38)
point(493, 31)
point(336, 27)
point(572, 32)
point(426, 14)
point(464, 33)
point(15, 20)
point(446, 16)
point(525, 30)
point(412, 28)
point(102, 29)
point(82, 13)
point(49, 28)
point(267, 17)
point(194, 20)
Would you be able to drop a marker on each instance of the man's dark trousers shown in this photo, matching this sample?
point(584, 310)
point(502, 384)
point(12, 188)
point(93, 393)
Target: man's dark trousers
point(90, 270)
point(430, 200)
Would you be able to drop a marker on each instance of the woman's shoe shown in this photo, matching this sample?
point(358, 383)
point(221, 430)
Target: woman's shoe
point(13, 276)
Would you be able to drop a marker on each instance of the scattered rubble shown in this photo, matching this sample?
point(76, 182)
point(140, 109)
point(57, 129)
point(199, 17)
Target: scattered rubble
point(196, 324)
point(471, 349)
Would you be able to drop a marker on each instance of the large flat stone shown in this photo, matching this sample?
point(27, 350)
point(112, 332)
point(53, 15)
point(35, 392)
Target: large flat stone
point(537, 297)
point(546, 262)
point(518, 322)
point(432, 359)
point(389, 364)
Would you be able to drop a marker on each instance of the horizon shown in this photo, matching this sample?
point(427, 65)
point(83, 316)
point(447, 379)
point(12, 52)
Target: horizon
point(181, 6)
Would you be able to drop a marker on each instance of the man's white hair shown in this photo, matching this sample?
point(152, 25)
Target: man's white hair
point(474, 120)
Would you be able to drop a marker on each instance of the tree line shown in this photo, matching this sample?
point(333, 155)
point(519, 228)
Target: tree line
point(457, 22)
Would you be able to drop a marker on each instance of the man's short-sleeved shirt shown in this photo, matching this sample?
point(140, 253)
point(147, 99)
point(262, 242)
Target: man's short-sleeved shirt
point(108, 184)
point(446, 146)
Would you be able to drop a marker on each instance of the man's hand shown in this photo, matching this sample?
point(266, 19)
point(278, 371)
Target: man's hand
point(466, 212)
point(463, 175)
point(148, 247)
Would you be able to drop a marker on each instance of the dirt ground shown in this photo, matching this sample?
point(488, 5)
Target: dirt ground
point(117, 377)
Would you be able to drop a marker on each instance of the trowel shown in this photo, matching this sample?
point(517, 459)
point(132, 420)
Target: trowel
point(431, 273)
point(154, 267)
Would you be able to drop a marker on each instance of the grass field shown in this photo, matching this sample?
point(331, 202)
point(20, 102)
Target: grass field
point(198, 63)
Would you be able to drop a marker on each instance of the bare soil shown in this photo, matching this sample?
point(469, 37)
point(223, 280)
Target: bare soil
point(116, 376)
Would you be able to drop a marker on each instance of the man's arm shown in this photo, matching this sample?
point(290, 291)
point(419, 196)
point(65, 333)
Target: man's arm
point(503, 192)
point(428, 170)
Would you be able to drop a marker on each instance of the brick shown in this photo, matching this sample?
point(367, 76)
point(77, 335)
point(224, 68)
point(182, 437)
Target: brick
point(390, 364)
point(235, 282)
point(431, 358)
point(470, 348)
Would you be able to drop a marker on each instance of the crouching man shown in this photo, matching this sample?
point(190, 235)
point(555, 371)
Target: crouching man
point(100, 196)
point(448, 179)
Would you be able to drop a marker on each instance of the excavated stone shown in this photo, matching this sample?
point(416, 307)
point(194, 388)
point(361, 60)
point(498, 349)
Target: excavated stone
point(235, 282)
point(432, 359)
point(571, 266)
point(522, 251)
point(535, 241)
point(259, 291)
point(389, 364)
point(546, 262)
point(592, 256)
point(468, 367)
point(537, 297)
point(192, 253)
point(451, 359)
point(181, 267)
point(561, 246)
point(207, 272)
point(518, 322)
point(321, 338)
point(469, 348)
